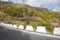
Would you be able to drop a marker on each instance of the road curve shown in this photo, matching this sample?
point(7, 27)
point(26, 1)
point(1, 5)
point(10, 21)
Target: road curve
point(10, 34)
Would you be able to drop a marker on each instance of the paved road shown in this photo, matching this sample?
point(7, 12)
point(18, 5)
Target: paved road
point(10, 34)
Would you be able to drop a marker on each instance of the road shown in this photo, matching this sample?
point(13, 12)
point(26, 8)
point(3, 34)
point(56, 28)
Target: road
point(10, 34)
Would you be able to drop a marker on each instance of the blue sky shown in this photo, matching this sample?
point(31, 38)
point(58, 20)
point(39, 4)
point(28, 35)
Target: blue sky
point(50, 4)
point(16, 1)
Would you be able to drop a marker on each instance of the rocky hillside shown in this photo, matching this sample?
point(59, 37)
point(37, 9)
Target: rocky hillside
point(30, 15)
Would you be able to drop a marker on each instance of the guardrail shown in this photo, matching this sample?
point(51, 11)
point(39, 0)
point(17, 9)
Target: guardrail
point(40, 29)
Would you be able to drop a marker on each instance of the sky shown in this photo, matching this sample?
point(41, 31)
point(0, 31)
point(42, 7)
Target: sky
point(50, 4)
point(16, 1)
point(4, 0)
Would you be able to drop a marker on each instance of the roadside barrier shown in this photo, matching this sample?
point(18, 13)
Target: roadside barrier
point(41, 29)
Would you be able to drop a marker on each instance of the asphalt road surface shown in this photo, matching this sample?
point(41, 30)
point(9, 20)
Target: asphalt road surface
point(10, 34)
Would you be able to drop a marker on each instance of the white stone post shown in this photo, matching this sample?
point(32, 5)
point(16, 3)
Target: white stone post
point(21, 27)
point(41, 29)
point(29, 28)
point(56, 31)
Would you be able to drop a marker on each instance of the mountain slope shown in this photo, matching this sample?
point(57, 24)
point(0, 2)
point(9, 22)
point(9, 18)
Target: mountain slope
point(30, 15)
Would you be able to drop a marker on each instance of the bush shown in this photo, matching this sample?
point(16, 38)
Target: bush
point(50, 29)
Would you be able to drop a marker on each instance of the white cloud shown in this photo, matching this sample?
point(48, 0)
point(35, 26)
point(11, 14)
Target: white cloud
point(4, 0)
point(16, 1)
point(50, 4)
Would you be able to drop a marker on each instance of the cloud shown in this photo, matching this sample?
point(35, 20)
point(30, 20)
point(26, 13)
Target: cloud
point(4, 0)
point(50, 4)
point(16, 1)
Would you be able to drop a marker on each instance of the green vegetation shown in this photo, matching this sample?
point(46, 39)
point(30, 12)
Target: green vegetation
point(29, 15)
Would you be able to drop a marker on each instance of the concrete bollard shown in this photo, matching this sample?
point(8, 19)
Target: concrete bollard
point(7, 24)
point(14, 26)
point(56, 31)
point(4, 24)
point(41, 29)
point(10, 25)
point(29, 28)
point(21, 27)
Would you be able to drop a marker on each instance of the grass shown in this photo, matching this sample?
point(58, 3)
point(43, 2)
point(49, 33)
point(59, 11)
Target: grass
point(34, 24)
